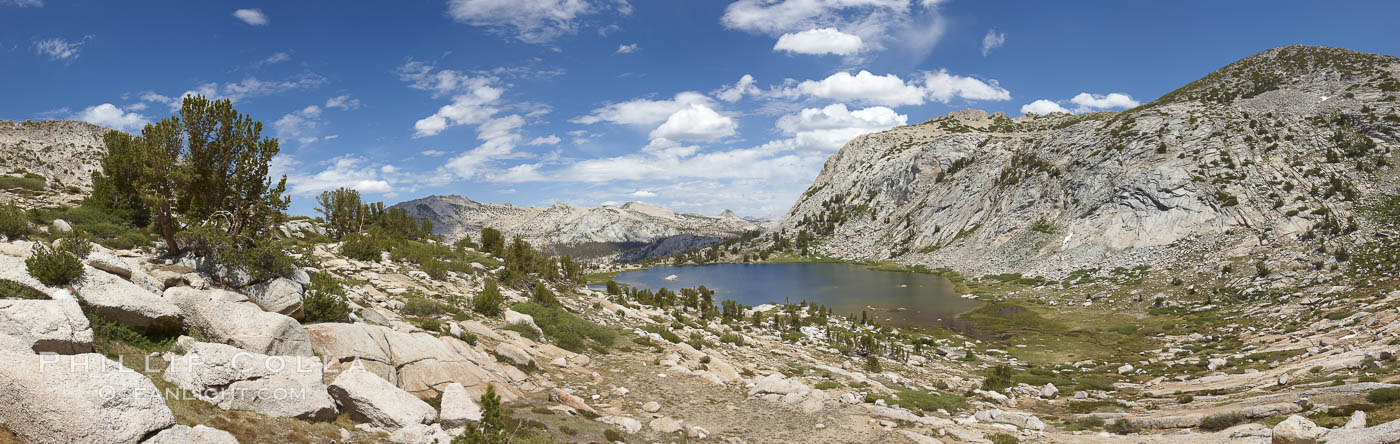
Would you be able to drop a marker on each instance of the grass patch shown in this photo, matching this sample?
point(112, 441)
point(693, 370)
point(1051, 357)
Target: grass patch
point(14, 290)
point(568, 331)
point(1222, 421)
point(30, 182)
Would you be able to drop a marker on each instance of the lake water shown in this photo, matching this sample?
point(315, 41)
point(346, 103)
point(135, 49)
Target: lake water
point(894, 298)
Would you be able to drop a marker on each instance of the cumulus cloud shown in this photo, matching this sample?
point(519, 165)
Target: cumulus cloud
point(889, 89)
point(23, 3)
point(643, 193)
point(627, 49)
point(819, 42)
point(696, 123)
point(1093, 102)
point(530, 21)
point(254, 17)
point(349, 170)
point(914, 24)
point(992, 40)
point(343, 101)
point(828, 129)
point(433, 153)
point(545, 140)
point(299, 125)
point(474, 98)
point(744, 87)
point(111, 116)
point(643, 112)
point(943, 87)
point(1042, 106)
point(499, 137)
point(58, 48)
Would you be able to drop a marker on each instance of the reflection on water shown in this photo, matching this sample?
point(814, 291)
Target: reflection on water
point(896, 298)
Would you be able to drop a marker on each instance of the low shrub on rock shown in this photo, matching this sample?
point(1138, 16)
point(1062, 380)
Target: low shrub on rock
point(325, 300)
point(13, 224)
point(489, 301)
point(1222, 421)
point(53, 267)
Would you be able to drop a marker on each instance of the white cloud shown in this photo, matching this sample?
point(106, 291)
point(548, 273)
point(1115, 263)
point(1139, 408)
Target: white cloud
point(992, 40)
point(253, 17)
point(545, 140)
point(299, 125)
point(348, 170)
point(474, 98)
point(1042, 106)
point(433, 153)
point(695, 123)
point(499, 137)
point(277, 57)
point(887, 90)
point(343, 101)
point(250, 87)
point(23, 3)
point(138, 106)
point(530, 21)
point(819, 42)
point(58, 48)
point(913, 24)
point(1092, 102)
point(643, 193)
point(643, 112)
point(627, 49)
point(943, 87)
point(828, 129)
point(111, 116)
point(743, 87)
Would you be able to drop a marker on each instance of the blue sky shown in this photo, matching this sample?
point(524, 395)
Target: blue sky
point(699, 105)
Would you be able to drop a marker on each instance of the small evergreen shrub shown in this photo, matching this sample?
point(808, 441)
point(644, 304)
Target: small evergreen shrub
point(488, 301)
point(422, 306)
point(568, 331)
point(525, 330)
point(872, 364)
point(1122, 426)
point(325, 300)
point(1221, 421)
point(362, 247)
point(998, 380)
point(1383, 395)
point(13, 223)
point(53, 267)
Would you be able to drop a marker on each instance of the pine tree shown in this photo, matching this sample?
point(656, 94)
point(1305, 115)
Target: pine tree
point(489, 301)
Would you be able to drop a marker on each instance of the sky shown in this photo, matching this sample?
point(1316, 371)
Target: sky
point(698, 106)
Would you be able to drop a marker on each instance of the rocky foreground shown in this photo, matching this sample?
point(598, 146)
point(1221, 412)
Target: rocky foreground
point(246, 370)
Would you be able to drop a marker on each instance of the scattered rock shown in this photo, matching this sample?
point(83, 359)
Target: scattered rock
point(1297, 430)
point(622, 423)
point(369, 398)
point(666, 424)
point(1357, 421)
point(108, 262)
point(53, 326)
point(233, 379)
point(458, 407)
point(560, 396)
point(78, 398)
point(651, 407)
point(126, 303)
point(281, 295)
point(420, 434)
point(229, 318)
point(1049, 391)
point(183, 434)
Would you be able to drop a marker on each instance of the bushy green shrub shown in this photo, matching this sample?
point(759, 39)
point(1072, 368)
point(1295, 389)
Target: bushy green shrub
point(1221, 421)
point(13, 224)
point(568, 331)
point(1002, 438)
point(106, 228)
point(525, 329)
point(30, 182)
point(362, 247)
point(325, 300)
point(488, 301)
point(731, 338)
point(664, 332)
point(872, 364)
point(76, 243)
point(1383, 395)
point(53, 267)
point(1185, 399)
point(998, 379)
point(1122, 426)
point(541, 295)
point(422, 306)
